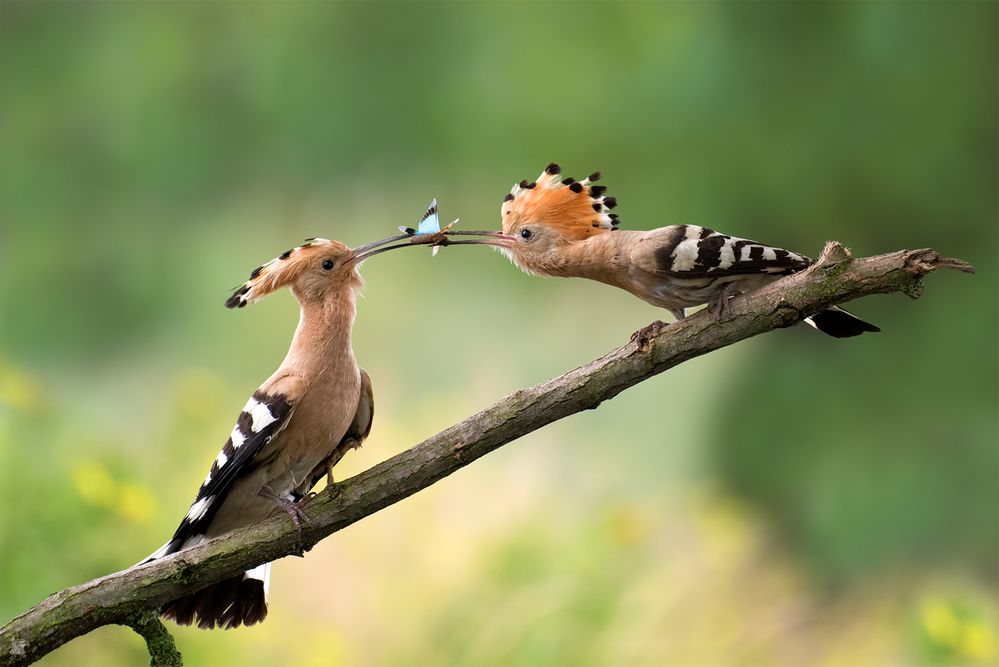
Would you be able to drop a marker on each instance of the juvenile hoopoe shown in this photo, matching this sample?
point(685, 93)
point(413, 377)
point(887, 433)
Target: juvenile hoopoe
point(563, 227)
point(296, 426)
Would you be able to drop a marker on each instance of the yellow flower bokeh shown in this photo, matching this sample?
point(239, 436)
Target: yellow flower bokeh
point(18, 388)
point(95, 484)
point(957, 632)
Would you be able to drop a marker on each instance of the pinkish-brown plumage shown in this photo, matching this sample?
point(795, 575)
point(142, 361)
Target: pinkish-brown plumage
point(300, 269)
point(314, 408)
point(563, 228)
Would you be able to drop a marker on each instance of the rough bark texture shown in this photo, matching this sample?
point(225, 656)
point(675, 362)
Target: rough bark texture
point(129, 597)
point(159, 642)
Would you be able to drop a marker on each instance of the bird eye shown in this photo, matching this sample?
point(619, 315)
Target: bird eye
point(327, 264)
point(526, 234)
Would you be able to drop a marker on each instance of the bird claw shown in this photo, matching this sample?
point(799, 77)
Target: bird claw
point(643, 336)
point(295, 511)
point(306, 500)
point(720, 307)
point(311, 496)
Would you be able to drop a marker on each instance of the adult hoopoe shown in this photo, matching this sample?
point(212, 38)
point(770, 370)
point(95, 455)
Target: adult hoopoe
point(296, 426)
point(564, 227)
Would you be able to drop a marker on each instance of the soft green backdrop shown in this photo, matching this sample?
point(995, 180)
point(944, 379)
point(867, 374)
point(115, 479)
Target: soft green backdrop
point(789, 500)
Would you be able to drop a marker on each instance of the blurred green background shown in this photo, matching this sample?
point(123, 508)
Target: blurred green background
point(789, 500)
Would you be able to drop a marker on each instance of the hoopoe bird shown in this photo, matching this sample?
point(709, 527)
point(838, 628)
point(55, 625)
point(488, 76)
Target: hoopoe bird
point(296, 426)
point(564, 227)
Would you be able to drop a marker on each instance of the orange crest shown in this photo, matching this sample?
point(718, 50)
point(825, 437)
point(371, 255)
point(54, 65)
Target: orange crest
point(282, 270)
point(577, 208)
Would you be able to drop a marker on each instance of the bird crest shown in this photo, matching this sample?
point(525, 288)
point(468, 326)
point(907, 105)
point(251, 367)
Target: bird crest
point(280, 271)
point(578, 209)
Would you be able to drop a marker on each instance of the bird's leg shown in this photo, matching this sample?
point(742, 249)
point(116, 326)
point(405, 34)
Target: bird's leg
point(294, 510)
point(333, 459)
point(719, 307)
point(311, 496)
point(307, 499)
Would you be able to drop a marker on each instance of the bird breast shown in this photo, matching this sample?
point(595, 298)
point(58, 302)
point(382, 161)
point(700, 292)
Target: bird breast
point(321, 417)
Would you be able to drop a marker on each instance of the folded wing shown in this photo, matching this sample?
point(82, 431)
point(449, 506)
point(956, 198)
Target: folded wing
point(690, 251)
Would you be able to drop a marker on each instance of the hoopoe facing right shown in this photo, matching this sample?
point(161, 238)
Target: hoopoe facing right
point(563, 227)
point(296, 426)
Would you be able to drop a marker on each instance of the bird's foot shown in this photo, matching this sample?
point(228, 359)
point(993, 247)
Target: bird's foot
point(307, 500)
point(312, 496)
point(295, 511)
point(720, 307)
point(644, 336)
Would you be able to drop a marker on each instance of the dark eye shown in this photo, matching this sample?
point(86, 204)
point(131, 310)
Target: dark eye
point(327, 264)
point(526, 234)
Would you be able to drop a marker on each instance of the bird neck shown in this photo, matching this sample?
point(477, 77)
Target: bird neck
point(322, 341)
point(595, 258)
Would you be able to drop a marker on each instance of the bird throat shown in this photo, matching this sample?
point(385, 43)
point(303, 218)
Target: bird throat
point(595, 259)
point(323, 336)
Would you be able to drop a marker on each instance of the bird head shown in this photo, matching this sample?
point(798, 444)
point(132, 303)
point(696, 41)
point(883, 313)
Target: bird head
point(542, 219)
point(314, 270)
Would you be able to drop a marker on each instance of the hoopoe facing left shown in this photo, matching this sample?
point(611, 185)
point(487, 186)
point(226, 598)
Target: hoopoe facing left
point(563, 227)
point(296, 426)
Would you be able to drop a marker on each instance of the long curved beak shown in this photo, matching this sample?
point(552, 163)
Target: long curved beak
point(497, 239)
point(443, 238)
point(361, 253)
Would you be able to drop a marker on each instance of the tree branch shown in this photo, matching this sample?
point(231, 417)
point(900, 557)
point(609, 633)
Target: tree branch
point(159, 642)
point(120, 597)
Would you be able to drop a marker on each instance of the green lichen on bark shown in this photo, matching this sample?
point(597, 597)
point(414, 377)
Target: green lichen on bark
point(159, 642)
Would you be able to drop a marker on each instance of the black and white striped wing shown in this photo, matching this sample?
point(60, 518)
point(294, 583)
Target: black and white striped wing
point(689, 251)
point(262, 418)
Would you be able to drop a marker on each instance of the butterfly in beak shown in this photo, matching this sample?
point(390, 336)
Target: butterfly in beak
point(429, 224)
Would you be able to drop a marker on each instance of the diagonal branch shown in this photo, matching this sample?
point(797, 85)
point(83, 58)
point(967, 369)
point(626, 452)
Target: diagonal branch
point(124, 596)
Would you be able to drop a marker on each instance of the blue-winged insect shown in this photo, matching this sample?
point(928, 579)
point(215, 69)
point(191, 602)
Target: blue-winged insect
point(429, 224)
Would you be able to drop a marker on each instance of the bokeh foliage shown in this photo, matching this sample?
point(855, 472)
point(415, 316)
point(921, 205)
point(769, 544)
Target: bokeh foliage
point(791, 499)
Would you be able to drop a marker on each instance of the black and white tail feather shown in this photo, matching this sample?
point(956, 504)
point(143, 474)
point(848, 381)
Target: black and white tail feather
point(840, 323)
point(241, 600)
point(715, 264)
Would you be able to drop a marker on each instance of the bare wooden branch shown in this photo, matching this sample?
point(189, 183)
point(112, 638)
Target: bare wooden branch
point(120, 597)
point(159, 642)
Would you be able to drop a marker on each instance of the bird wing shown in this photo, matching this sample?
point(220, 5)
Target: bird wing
point(263, 417)
point(356, 433)
point(361, 426)
point(689, 251)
